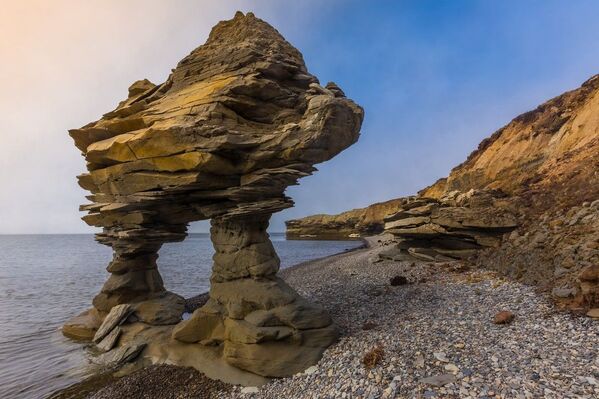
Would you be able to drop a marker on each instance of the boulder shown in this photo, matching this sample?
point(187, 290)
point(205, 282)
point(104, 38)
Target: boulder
point(164, 308)
point(83, 326)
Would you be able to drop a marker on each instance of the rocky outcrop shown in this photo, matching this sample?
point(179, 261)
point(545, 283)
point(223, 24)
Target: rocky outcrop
point(236, 122)
point(455, 226)
point(346, 225)
point(542, 168)
point(549, 156)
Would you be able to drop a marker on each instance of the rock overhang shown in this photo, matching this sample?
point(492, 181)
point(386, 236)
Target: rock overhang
point(236, 122)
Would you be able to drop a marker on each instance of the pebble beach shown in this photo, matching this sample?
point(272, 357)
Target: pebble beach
point(429, 335)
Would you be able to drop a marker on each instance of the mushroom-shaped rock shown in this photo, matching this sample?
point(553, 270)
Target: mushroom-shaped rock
point(236, 122)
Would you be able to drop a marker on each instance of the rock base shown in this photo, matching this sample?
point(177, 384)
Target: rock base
point(261, 324)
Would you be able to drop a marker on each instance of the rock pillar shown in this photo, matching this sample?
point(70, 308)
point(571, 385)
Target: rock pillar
point(262, 324)
point(133, 277)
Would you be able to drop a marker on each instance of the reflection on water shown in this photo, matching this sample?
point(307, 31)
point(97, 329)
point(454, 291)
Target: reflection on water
point(45, 279)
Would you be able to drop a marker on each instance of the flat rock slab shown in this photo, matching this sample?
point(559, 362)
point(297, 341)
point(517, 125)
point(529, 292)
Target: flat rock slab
point(121, 355)
point(117, 315)
point(110, 340)
point(439, 380)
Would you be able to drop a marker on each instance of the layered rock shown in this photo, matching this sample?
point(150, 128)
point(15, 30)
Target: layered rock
point(545, 163)
point(347, 225)
point(549, 156)
point(236, 122)
point(455, 226)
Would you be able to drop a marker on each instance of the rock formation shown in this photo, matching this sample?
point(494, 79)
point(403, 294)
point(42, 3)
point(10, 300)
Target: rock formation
point(349, 224)
point(542, 168)
point(453, 227)
point(236, 122)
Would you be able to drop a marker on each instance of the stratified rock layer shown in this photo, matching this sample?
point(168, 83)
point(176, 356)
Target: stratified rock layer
point(350, 224)
point(453, 227)
point(237, 121)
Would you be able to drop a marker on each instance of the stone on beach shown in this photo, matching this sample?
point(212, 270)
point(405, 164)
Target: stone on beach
point(503, 317)
point(123, 354)
point(439, 380)
point(116, 316)
point(110, 340)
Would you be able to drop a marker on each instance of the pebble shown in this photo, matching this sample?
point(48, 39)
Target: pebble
point(249, 390)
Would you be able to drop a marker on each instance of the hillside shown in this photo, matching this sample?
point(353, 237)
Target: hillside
point(542, 169)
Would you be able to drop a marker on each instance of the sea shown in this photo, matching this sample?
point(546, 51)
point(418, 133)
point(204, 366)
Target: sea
point(46, 279)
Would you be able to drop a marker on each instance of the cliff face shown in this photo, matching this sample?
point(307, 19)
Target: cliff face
point(554, 148)
point(346, 225)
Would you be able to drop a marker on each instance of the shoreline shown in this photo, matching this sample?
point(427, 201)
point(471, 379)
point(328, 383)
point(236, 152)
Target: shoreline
point(97, 382)
point(437, 326)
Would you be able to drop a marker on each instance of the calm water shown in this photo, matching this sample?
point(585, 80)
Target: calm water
point(45, 279)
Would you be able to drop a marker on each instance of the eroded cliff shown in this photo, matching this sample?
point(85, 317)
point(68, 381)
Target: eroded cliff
point(543, 168)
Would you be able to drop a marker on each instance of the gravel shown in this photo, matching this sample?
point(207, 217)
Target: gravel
point(446, 311)
point(164, 382)
point(436, 332)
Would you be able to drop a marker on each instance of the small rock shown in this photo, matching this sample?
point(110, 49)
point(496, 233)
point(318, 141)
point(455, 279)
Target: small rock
point(249, 390)
point(398, 280)
point(311, 370)
point(419, 361)
point(441, 356)
point(123, 354)
point(110, 340)
point(564, 292)
point(117, 315)
point(452, 368)
point(503, 317)
point(594, 313)
point(439, 380)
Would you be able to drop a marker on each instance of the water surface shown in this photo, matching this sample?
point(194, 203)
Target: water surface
point(46, 279)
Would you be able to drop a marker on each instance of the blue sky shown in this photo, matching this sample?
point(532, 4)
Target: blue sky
point(434, 77)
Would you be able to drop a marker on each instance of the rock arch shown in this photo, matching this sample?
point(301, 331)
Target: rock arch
point(237, 121)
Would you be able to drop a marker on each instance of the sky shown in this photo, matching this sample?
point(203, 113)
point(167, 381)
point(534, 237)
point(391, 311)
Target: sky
point(434, 78)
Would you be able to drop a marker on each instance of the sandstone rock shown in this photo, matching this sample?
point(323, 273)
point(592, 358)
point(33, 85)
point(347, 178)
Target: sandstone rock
point(503, 317)
point(363, 221)
point(281, 358)
point(83, 326)
point(201, 326)
point(121, 355)
point(117, 315)
point(164, 308)
point(110, 340)
point(235, 123)
point(594, 313)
